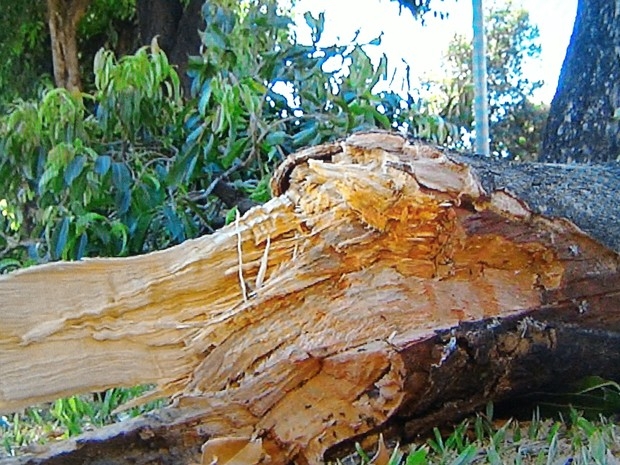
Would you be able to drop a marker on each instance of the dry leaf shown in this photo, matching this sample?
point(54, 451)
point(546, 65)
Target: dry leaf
point(232, 451)
point(382, 457)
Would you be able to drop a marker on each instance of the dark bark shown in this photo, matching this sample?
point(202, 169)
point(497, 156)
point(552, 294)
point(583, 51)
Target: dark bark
point(583, 193)
point(176, 30)
point(188, 40)
point(582, 125)
point(159, 18)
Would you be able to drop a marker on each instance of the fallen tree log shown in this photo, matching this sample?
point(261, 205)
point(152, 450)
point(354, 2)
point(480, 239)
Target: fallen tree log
point(386, 287)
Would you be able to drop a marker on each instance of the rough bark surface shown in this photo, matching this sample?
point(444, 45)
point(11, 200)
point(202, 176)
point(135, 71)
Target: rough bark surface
point(585, 194)
point(176, 29)
point(583, 124)
point(383, 289)
point(159, 18)
point(63, 18)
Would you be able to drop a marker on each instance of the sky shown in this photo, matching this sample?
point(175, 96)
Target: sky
point(422, 46)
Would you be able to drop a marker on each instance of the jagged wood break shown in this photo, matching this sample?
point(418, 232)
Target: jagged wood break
point(381, 289)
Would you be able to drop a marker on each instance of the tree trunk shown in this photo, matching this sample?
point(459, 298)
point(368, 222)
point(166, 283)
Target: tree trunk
point(63, 18)
point(176, 30)
point(159, 18)
point(387, 287)
point(583, 122)
point(188, 40)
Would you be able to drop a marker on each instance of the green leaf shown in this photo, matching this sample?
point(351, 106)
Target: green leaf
point(375, 41)
point(396, 457)
point(493, 457)
point(364, 458)
point(182, 168)
point(205, 97)
point(47, 180)
point(102, 164)
point(231, 215)
point(213, 39)
point(592, 383)
point(121, 177)
point(148, 178)
point(184, 165)
point(316, 25)
point(119, 231)
point(62, 234)
point(234, 152)
point(276, 138)
point(303, 137)
point(173, 224)
point(74, 168)
point(82, 246)
point(261, 193)
point(7, 263)
point(122, 200)
point(382, 120)
point(467, 456)
point(195, 135)
point(417, 458)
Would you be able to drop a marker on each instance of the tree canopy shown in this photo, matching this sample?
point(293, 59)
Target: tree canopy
point(516, 121)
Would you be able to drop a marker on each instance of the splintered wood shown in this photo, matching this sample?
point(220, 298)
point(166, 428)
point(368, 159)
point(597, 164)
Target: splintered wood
point(381, 287)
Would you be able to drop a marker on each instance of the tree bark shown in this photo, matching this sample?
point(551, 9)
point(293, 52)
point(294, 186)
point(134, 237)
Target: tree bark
point(387, 287)
point(159, 18)
point(63, 19)
point(188, 40)
point(176, 30)
point(583, 122)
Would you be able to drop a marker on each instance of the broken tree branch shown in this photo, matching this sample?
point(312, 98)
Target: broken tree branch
point(384, 288)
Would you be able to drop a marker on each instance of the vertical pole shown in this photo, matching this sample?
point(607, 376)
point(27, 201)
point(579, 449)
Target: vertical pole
point(481, 104)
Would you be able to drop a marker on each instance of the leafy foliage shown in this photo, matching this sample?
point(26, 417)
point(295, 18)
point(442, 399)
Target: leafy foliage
point(131, 167)
point(516, 123)
point(420, 8)
point(25, 49)
point(26, 56)
point(80, 169)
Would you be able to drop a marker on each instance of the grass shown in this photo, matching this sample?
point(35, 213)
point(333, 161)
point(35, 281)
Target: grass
point(575, 441)
point(573, 438)
point(22, 431)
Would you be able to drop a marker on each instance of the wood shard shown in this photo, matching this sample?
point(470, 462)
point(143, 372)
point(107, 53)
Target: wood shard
point(381, 289)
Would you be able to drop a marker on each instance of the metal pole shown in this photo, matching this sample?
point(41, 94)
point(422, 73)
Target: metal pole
point(481, 104)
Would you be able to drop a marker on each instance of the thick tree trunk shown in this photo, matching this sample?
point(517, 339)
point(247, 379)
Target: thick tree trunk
point(583, 122)
point(159, 18)
point(63, 18)
point(188, 40)
point(386, 288)
point(176, 30)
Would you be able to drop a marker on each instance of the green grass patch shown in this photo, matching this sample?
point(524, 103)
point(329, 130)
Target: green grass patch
point(20, 432)
point(570, 441)
point(573, 439)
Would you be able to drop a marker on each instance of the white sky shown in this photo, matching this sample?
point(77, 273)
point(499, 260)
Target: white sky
point(422, 46)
